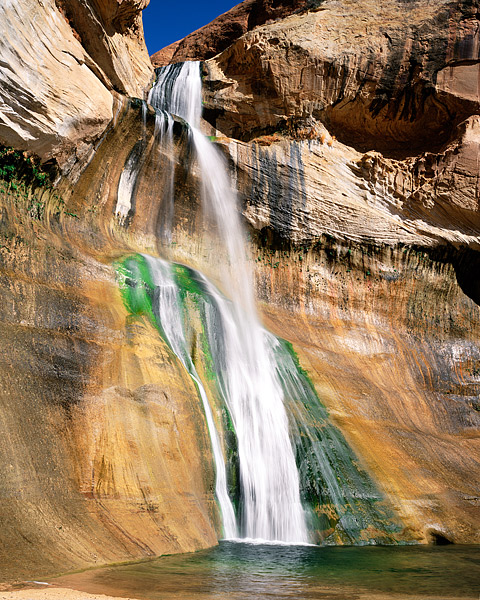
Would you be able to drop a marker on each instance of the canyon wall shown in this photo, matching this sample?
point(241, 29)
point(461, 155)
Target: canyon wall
point(352, 133)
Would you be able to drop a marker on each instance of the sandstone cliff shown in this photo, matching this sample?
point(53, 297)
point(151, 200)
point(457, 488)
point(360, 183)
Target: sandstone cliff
point(62, 64)
point(225, 29)
point(352, 132)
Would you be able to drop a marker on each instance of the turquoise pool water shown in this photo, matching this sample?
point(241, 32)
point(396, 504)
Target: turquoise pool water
point(240, 571)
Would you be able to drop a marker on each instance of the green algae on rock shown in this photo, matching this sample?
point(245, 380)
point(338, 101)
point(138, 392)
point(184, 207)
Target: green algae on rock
point(344, 504)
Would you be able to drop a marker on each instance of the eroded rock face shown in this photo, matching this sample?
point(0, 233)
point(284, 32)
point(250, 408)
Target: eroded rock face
point(121, 14)
point(332, 86)
point(225, 29)
point(47, 85)
point(396, 77)
point(112, 34)
point(301, 190)
point(60, 65)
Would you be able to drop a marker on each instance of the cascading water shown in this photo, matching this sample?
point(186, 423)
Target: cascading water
point(163, 134)
point(270, 489)
point(268, 424)
point(166, 307)
point(199, 324)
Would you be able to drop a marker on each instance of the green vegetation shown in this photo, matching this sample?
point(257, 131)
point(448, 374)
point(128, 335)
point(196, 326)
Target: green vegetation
point(136, 286)
point(137, 290)
point(17, 166)
point(186, 282)
point(29, 184)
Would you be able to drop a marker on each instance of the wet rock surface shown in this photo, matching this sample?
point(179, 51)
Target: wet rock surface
point(390, 341)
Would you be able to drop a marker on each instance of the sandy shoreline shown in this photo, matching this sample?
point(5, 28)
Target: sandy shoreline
point(52, 593)
point(41, 592)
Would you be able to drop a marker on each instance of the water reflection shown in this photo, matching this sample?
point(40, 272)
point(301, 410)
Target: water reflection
point(237, 571)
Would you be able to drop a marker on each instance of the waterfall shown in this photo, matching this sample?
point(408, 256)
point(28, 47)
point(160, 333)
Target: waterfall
point(200, 326)
point(163, 135)
point(274, 446)
point(178, 90)
point(270, 505)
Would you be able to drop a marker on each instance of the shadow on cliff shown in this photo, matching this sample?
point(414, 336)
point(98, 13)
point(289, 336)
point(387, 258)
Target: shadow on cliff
point(466, 263)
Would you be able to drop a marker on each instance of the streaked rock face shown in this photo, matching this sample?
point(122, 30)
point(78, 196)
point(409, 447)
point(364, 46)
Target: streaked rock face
point(364, 128)
point(391, 343)
point(302, 190)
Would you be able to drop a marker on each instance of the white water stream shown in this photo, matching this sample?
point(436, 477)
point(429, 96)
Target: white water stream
point(167, 306)
point(270, 498)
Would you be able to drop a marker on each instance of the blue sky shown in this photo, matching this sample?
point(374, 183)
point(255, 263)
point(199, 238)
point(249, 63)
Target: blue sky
point(166, 22)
